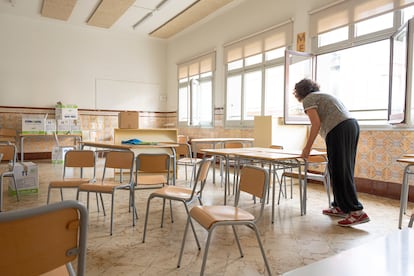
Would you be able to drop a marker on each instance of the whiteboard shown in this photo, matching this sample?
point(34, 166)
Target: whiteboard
point(126, 95)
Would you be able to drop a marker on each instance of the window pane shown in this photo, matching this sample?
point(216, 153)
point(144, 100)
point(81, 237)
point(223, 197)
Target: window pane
point(233, 100)
point(235, 65)
point(275, 54)
point(375, 24)
point(274, 85)
point(334, 36)
point(202, 103)
point(253, 60)
point(359, 76)
point(182, 104)
point(252, 94)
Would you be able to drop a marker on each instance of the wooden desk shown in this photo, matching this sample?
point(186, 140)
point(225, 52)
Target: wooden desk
point(23, 137)
point(391, 255)
point(217, 142)
point(115, 146)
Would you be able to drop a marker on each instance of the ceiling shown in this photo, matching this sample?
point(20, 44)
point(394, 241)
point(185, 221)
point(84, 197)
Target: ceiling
point(159, 18)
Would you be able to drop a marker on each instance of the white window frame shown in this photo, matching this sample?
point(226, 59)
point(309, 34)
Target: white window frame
point(275, 38)
point(196, 70)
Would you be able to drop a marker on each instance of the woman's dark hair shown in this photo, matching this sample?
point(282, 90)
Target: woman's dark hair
point(304, 87)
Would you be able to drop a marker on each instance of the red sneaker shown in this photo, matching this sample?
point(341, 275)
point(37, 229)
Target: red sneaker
point(354, 219)
point(334, 211)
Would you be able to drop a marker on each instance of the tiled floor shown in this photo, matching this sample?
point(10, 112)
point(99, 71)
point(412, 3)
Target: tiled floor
point(292, 241)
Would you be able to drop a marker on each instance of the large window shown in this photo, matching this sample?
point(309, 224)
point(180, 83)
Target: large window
point(195, 91)
point(351, 41)
point(254, 75)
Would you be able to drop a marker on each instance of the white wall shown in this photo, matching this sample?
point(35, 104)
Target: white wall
point(42, 62)
point(250, 16)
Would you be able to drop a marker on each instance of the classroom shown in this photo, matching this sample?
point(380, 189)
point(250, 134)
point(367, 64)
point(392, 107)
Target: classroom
point(207, 73)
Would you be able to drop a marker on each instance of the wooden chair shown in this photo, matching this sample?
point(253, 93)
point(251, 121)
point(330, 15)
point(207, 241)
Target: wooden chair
point(317, 171)
point(152, 170)
point(8, 135)
point(9, 160)
point(116, 160)
point(181, 194)
point(254, 181)
point(185, 158)
point(74, 159)
point(43, 239)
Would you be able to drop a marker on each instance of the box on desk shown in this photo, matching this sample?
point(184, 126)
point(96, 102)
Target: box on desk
point(27, 179)
point(50, 126)
point(33, 125)
point(66, 111)
point(68, 127)
point(58, 154)
point(128, 119)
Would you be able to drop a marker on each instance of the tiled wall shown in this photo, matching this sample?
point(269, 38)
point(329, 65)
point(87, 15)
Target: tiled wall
point(376, 159)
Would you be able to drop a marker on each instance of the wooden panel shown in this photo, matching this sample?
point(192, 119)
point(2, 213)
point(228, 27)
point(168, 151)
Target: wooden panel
point(58, 9)
point(188, 17)
point(108, 12)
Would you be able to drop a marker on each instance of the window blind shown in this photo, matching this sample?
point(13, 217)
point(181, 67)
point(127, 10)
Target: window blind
point(195, 66)
point(273, 38)
point(350, 11)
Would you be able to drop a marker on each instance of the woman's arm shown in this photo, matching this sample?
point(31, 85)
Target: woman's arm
point(315, 126)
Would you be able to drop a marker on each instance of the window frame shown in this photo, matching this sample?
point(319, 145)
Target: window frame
point(201, 69)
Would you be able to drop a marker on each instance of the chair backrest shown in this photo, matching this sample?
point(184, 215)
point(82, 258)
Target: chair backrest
point(8, 135)
point(122, 160)
point(9, 152)
point(202, 173)
point(80, 159)
point(318, 164)
point(153, 163)
point(233, 145)
point(276, 147)
point(253, 180)
point(183, 150)
point(38, 240)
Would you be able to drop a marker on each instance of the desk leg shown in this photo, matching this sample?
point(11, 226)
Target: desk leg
point(272, 167)
point(404, 194)
point(226, 179)
point(21, 148)
point(301, 190)
point(305, 187)
point(174, 156)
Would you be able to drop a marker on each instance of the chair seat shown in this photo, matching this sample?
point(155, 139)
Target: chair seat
point(106, 187)
point(151, 179)
point(187, 160)
point(208, 215)
point(311, 176)
point(174, 192)
point(72, 182)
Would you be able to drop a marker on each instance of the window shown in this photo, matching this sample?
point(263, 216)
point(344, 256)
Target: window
point(351, 41)
point(254, 75)
point(195, 91)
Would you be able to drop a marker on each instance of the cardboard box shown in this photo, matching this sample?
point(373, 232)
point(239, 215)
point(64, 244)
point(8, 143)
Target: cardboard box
point(58, 154)
point(75, 127)
point(50, 126)
point(33, 125)
point(66, 111)
point(27, 179)
point(63, 126)
point(128, 119)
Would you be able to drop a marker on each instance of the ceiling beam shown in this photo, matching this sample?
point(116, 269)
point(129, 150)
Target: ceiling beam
point(192, 14)
point(108, 12)
point(58, 9)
